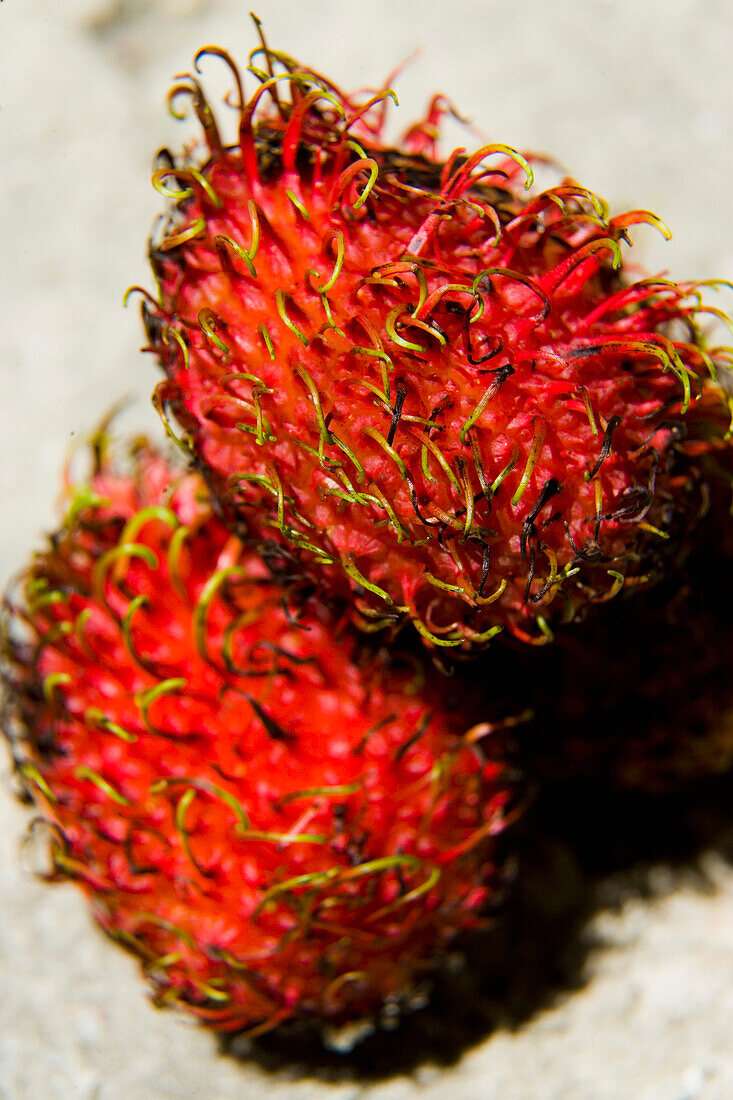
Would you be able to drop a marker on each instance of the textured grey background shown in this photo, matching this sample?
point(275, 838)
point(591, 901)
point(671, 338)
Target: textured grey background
point(636, 98)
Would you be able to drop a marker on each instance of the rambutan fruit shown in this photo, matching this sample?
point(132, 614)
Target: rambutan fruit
point(434, 395)
point(280, 819)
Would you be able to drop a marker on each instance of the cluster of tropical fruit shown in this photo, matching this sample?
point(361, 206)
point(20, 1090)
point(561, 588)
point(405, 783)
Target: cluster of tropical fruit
point(269, 698)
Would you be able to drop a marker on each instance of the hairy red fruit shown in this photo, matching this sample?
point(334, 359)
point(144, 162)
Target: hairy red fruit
point(436, 396)
point(278, 819)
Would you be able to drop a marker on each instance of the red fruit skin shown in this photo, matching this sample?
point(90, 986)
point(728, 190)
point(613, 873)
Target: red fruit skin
point(437, 396)
point(279, 820)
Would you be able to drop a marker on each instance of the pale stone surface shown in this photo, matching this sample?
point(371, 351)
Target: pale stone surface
point(636, 99)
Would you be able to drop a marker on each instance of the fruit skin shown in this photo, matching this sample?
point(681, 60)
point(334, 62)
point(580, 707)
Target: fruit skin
point(425, 391)
point(280, 819)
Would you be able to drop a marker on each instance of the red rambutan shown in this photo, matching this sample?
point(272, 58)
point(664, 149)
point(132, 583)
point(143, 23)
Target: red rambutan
point(440, 397)
point(281, 820)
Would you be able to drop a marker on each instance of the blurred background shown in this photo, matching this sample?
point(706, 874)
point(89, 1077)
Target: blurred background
point(635, 98)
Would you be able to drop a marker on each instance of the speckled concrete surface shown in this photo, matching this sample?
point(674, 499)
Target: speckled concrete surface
point(636, 97)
